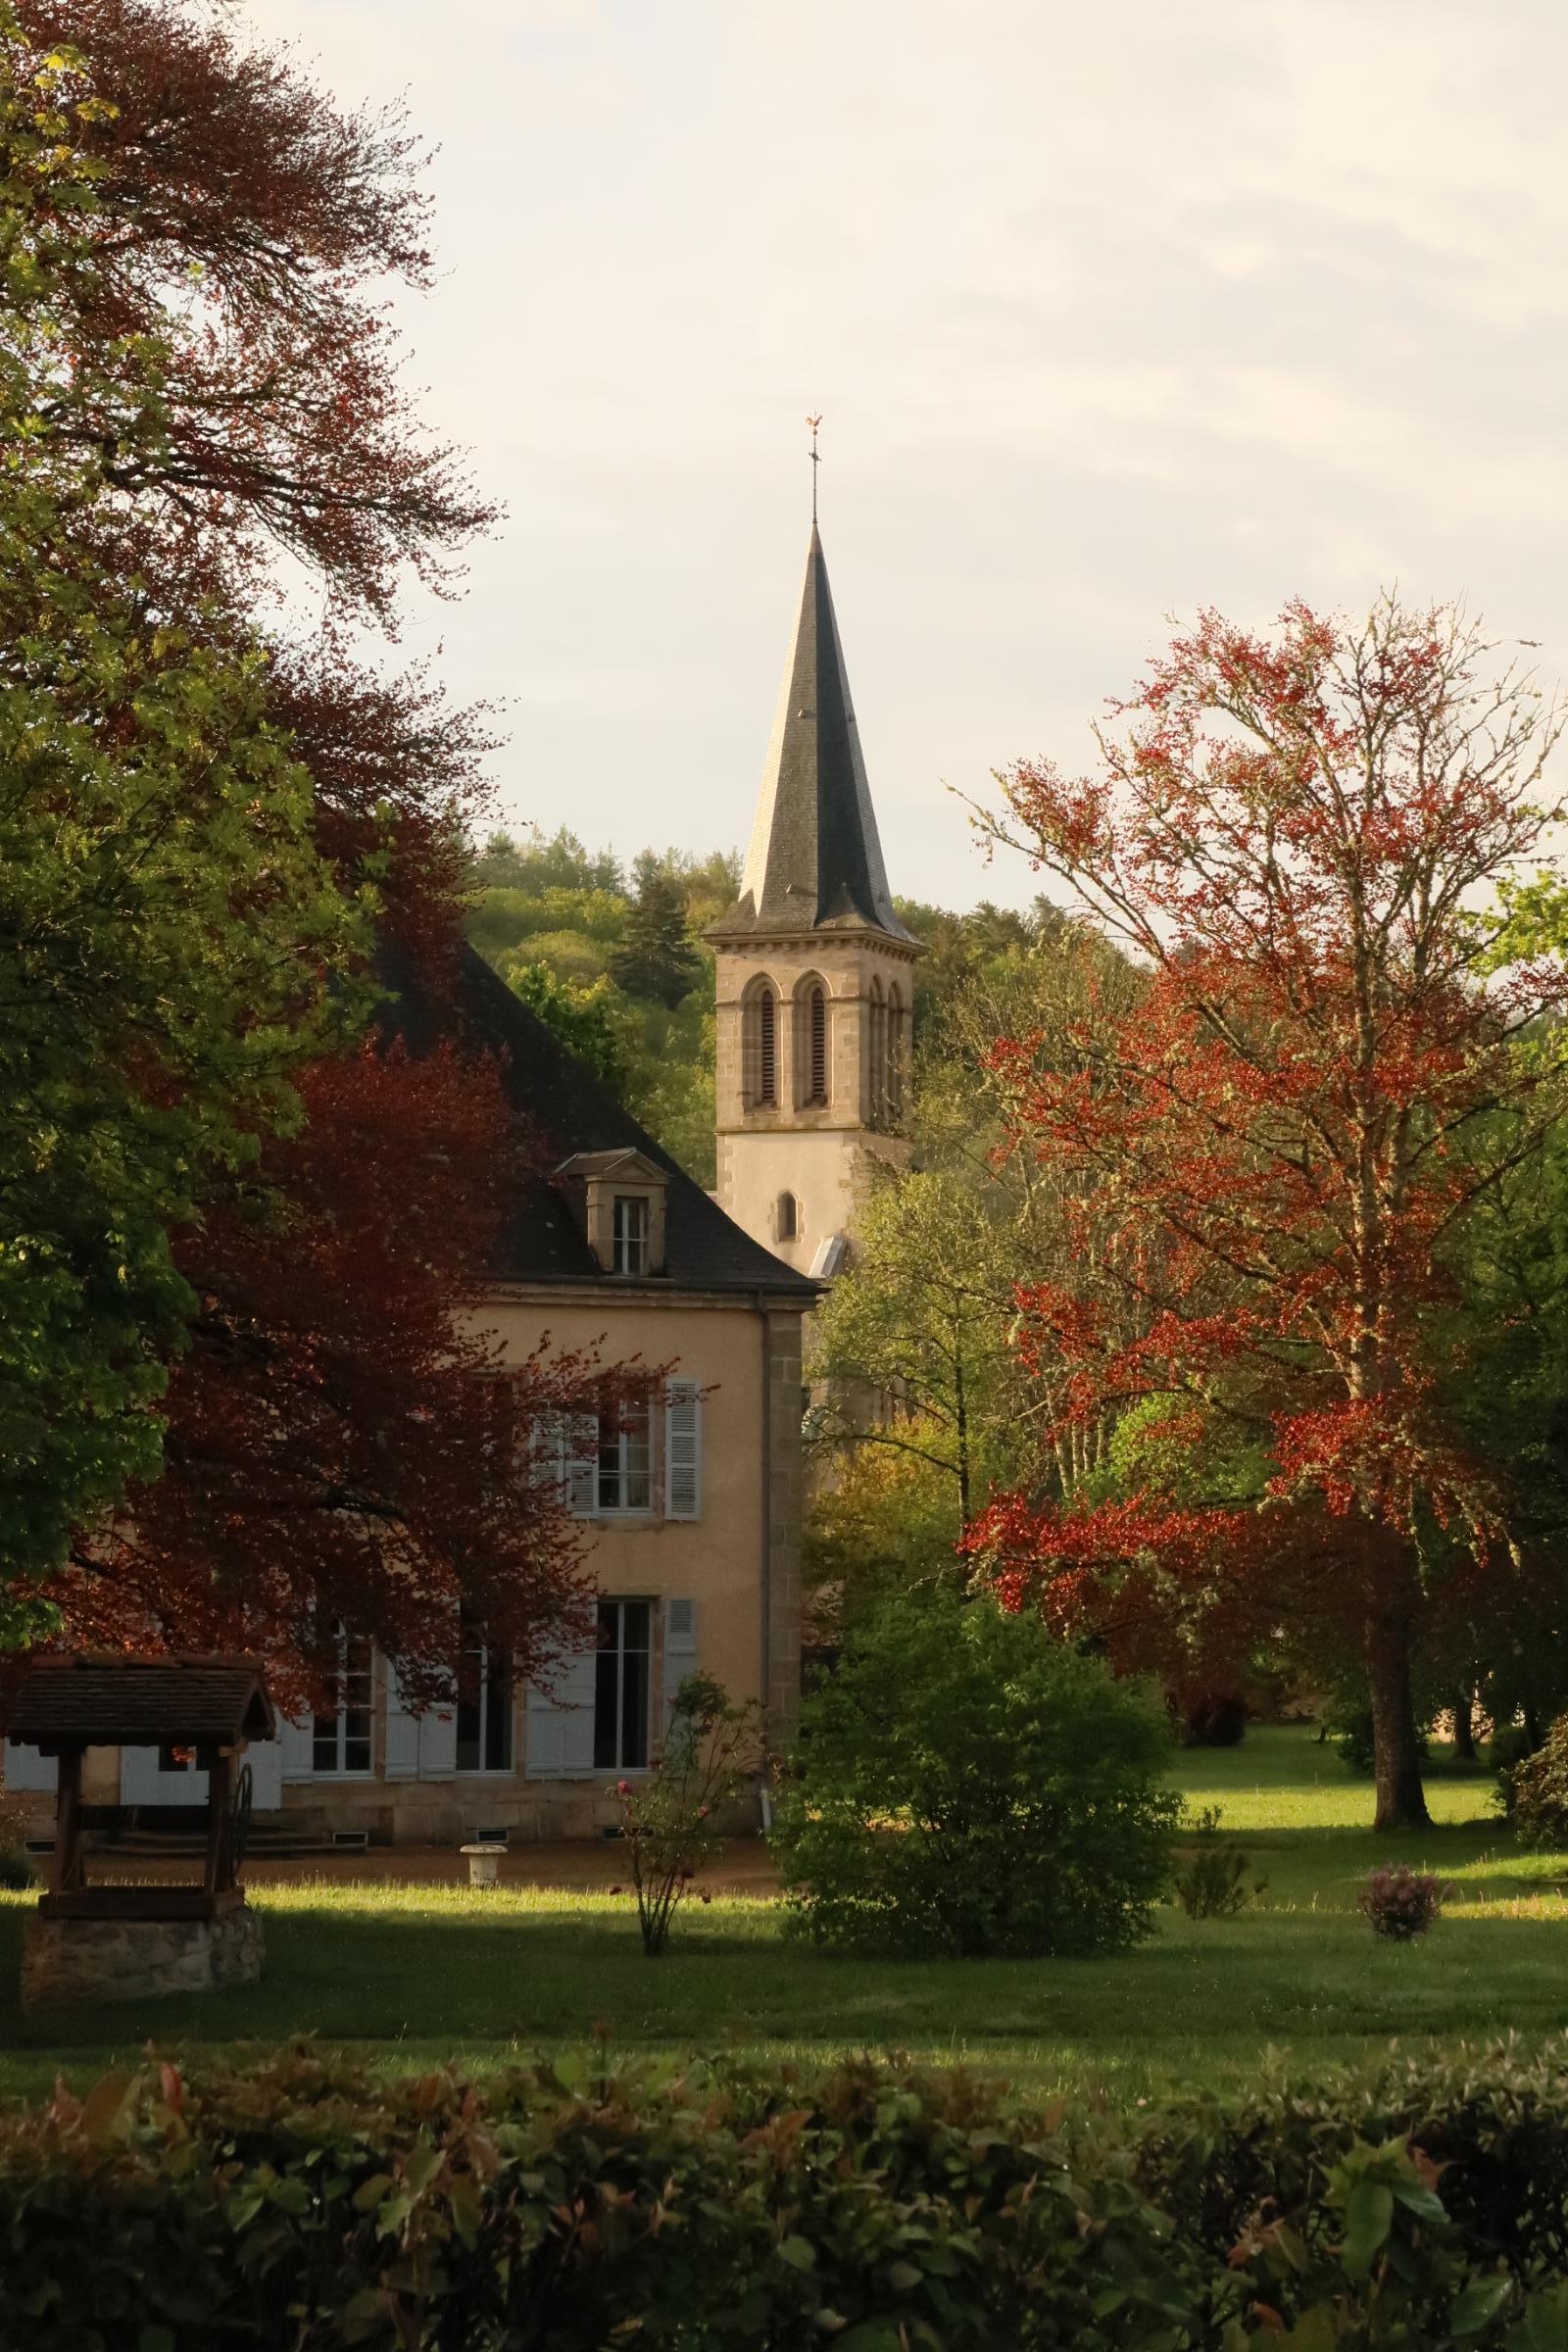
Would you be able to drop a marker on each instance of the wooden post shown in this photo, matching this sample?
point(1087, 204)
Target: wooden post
point(220, 1851)
point(68, 1871)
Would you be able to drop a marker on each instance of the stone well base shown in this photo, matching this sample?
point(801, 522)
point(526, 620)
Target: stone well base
point(137, 1959)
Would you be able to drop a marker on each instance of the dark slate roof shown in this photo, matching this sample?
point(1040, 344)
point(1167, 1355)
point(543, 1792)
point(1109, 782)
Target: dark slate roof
point(816, 862)
point(137, 1702)
point(571, 1112)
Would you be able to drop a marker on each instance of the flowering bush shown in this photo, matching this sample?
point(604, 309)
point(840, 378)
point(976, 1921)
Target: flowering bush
point(668, 1821)
point(1402, 1904)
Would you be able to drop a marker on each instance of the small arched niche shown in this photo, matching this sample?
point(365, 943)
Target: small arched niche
point(787, 1218)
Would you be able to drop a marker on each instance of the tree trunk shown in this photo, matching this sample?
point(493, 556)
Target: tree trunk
point(1397, 1756)
point(1464, 1727)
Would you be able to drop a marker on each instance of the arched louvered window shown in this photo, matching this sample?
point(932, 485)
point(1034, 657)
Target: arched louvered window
point(876, 1041)
point(816, 1007)
point(760, 1042)
point(766, 1046)
point(895, 1053)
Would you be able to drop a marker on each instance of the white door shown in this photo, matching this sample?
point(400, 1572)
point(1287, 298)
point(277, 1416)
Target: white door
point(144, 1781)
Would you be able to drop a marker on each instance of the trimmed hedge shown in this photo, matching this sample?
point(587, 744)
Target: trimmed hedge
point(300, 2203)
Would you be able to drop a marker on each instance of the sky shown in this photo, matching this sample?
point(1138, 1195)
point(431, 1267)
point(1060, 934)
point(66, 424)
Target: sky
point(1111, 313)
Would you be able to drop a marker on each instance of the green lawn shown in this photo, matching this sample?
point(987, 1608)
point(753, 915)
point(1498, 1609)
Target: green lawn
point(417, 1975)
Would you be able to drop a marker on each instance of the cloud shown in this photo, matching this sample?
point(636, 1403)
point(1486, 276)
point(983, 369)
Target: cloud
point(1110, 312)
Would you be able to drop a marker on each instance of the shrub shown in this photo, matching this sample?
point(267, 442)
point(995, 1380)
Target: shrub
point(1508, 1745)
point(668, 1821)
point(1534, 1791)
point(1211, 1884)
point(1401, 1903)
point(968, 1784)
point(17, 1870)
point(303, 2202)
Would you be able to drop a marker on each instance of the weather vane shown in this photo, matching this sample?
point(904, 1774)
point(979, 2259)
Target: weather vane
point(814, 422)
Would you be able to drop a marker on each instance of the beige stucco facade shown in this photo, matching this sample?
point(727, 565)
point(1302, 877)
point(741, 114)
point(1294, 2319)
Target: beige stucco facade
point(733, 1567)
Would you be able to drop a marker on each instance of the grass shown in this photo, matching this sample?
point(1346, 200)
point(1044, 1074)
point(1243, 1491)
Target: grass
point(415, 1975)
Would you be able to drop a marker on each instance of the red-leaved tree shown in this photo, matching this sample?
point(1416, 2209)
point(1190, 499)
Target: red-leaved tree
point(346, 1442)
point(1274, 1155)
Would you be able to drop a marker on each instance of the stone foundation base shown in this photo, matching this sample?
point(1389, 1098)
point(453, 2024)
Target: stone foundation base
point(137, 1959)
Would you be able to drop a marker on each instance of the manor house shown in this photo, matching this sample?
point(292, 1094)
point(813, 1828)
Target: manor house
point(695, 1509)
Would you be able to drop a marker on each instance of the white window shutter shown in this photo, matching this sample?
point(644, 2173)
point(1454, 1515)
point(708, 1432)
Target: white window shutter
point(680, 1648)
point(577, 1443)
point(560, 1722)
point(402, 1752)
point(26, 1768)
point(298, 1736)
point(438, 1744)
point(683, 1449)
point(138, 1776)
point(265, 1757)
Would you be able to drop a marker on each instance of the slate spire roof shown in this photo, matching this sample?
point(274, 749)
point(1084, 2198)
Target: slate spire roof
point(816, 862)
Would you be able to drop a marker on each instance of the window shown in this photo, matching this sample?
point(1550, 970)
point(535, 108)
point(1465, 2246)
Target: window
point(787, 1220)
point(819, 1043)
point(484, 1705)
point(620, 1686)
point(630, 1233)
point(340, 1738)
point(622, 1476)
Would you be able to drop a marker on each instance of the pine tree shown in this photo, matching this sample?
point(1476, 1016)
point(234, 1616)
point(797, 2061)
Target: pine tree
point(657, 959)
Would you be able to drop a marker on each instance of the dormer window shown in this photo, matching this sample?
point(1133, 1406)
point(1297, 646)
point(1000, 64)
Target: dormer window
point(630, 1233)
point(619, 1198)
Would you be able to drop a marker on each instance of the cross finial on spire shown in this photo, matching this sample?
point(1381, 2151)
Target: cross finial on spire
point(814, 422)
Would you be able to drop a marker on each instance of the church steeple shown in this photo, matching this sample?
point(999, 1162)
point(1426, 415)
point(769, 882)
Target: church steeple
point(814, 861)
point(813, 978)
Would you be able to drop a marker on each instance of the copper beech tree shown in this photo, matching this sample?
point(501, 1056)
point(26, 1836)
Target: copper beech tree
point(345, 1442)
point(1274, 1154)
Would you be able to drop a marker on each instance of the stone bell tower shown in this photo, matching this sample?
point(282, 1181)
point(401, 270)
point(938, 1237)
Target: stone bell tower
point(814, 973)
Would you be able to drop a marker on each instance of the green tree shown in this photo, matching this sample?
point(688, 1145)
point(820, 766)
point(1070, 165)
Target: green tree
point(657, 958)
point(911, 1343)
point(537, 864)
point(581, 1017)
point(166, 927)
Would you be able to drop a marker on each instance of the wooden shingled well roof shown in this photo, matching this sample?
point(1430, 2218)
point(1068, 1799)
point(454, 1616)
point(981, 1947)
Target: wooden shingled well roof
point(98, 1702)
